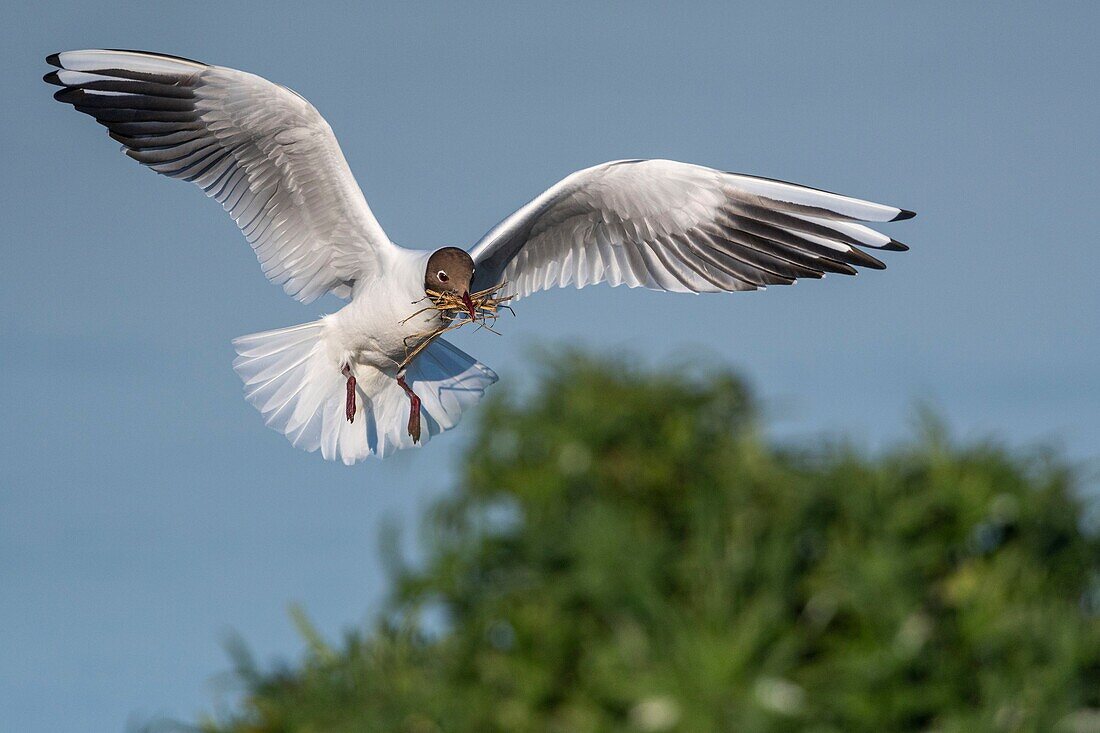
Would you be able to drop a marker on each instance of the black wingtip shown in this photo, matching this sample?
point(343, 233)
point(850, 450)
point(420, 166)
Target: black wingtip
point(53, 78)
point(896, 246)
point(54, 59)
point(905, 214)
point(68, 96)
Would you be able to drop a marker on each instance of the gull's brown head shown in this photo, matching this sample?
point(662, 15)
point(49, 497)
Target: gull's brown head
point(451, 270)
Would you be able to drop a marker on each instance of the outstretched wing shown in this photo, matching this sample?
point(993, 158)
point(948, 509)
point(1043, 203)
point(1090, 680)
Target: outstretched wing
point(260, 149)
point(679, 227)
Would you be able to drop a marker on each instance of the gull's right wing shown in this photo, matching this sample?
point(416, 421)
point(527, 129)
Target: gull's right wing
point(260, 149)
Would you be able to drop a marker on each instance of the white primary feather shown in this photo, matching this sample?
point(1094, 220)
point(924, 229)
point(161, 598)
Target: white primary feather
point(260, 149)
point(678, 227)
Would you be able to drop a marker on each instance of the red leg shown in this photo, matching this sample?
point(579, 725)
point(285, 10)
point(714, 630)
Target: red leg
point(349, 407)
point(414, 409)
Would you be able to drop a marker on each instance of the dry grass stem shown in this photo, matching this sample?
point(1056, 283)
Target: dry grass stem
point(487, 308)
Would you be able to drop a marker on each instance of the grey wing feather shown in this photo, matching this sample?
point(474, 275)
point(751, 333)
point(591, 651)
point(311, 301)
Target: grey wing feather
point(261, 150)
point(679, 227)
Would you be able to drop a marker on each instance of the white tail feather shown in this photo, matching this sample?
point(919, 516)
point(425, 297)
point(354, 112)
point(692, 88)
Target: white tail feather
point(291, 377)
point(447, 380)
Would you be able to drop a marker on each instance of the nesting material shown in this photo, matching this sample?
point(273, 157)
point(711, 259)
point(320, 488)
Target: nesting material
point(487, 308)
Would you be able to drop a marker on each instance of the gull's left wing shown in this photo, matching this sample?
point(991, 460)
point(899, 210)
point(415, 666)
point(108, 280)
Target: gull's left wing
point(261, 150)
point(674, 226)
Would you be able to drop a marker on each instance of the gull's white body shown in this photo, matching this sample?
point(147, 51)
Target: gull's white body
point(375, 328)
point(272, 162)
point(295, 376)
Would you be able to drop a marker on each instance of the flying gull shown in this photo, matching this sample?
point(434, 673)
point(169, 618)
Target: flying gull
point(375, 376)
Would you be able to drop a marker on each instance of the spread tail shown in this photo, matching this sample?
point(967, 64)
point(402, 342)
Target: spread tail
point(292, 378)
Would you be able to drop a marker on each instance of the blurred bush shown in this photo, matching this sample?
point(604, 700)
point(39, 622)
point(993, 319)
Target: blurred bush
point(625, 552)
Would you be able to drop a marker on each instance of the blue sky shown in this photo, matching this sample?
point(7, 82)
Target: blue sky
point(145, 512)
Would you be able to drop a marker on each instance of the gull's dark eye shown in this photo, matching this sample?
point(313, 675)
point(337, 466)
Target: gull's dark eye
point(442, 276)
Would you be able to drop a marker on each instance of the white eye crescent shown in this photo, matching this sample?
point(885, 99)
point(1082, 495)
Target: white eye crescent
point(442, 276)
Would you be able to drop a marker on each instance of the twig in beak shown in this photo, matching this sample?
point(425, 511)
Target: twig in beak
point(482, 307)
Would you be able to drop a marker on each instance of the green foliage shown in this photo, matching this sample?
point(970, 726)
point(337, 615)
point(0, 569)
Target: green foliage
point(626, 553)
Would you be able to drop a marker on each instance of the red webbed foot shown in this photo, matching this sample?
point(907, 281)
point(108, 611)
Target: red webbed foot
point(349, 405)
point(414, 409)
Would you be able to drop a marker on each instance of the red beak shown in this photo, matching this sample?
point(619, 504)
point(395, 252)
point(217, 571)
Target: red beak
point(469, 303)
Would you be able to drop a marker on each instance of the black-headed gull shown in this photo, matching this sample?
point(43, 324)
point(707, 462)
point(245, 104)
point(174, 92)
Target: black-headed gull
point(339, 384)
